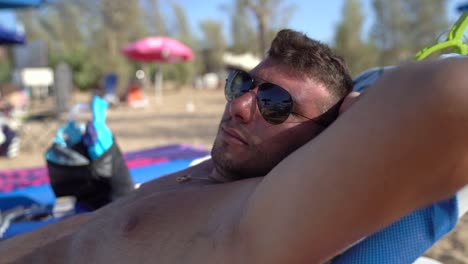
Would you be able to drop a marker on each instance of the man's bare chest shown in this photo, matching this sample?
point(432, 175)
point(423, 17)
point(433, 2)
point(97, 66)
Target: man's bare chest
point(172, 222)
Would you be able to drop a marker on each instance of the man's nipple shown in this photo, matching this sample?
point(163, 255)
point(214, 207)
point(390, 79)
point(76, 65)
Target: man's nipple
point(129, 225)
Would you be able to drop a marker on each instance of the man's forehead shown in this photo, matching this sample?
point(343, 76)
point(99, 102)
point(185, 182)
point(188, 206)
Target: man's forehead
point(311, 94)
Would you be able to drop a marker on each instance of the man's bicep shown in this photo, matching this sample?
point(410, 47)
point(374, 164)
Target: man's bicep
point(15, 248)
point(286, 222)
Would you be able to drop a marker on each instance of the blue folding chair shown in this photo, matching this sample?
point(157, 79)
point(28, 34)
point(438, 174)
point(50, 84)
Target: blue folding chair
point(110, 88)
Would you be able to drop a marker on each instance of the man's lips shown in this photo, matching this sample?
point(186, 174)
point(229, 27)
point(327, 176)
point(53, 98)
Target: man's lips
point(232, 133)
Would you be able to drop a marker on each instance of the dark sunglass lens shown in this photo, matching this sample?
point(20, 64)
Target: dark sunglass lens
point(237, 84)
point(274, 102)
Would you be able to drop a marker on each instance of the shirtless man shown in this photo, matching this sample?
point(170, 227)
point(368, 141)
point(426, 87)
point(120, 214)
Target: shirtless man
point(270, 195)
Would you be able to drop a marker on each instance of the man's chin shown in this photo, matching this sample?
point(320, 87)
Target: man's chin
point(237, 169)
point(240, 162)
point(230, 151)
point(229, 159)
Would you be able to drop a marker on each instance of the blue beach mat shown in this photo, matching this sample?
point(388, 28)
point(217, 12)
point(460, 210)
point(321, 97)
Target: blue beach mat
point(27, 187)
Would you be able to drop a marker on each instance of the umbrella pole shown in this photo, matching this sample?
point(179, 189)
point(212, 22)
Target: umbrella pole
point(158, 79)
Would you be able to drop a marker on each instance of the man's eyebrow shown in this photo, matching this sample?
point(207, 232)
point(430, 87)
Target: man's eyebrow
point(302, 104)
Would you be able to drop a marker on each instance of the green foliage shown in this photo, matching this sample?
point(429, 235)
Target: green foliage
point(155, 21)
point(213, 45)
point(244, 37)
point(348, 42)
point(88, 77)
point(254, 23)
point(402, 27)
point(270, 15)
point(85, 73)
point(5, 70)
point(182, 73)
point(90, 34)
point(428, 19)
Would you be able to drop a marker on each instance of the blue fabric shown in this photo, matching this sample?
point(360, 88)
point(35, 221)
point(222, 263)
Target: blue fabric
point(462, 7)
point(19, 3)
point(147, 173)
point(110, 83)
point(43, 195)
point(411, 236)
point(8, 36)
point(98, 137)
point(407, 239)
point(72, 132)
point(90, 136)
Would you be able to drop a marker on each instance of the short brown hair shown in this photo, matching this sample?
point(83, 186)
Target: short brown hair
point(313, 59)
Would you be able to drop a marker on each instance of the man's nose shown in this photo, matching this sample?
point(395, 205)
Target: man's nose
point(243, 107)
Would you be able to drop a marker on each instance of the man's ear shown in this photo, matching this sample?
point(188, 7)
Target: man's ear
point(349, 100)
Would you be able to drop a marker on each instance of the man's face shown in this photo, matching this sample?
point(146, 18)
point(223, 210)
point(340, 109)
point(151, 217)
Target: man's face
point(246, 144)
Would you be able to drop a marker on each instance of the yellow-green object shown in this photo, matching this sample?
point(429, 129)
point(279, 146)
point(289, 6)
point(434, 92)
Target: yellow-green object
point(454, 40)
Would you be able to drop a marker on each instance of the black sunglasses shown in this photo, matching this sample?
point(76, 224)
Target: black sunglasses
point(274, 102)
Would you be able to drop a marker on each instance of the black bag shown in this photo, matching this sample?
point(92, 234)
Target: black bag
point(94, 183)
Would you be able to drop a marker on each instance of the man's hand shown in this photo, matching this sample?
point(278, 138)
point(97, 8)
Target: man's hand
point(349, 100)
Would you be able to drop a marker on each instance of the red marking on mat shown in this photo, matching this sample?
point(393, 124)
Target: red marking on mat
point(145, 161)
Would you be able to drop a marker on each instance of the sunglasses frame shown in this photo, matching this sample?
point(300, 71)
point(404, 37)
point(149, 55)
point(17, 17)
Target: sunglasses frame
point(324, 120)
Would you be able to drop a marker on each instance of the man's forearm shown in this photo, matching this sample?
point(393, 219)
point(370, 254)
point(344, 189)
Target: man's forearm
point(19, 248)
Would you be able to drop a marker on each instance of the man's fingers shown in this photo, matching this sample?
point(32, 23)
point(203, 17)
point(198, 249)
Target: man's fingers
point(349, 100)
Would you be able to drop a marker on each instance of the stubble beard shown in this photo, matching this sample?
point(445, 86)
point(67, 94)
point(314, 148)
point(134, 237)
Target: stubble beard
point(255, 163)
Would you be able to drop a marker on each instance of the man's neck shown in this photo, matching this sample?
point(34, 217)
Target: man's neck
point(209, 170)
point(219, 177)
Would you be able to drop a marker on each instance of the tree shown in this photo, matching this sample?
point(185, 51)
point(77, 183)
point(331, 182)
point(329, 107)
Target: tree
point(88, 35)
point(121, 24)
point(387, 31)
point(155, 20)
point(213, 45)
point(60, 26)
point(427, 23)
point(243, 35)
point(183, 72)
point(5, 66)
point(270, 15)
point(402, 27)
point(348, 41)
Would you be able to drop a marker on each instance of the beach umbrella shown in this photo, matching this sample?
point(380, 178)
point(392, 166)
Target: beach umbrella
point(462, 7)
point(158, 49)
point(20, 3)
point(8, 37)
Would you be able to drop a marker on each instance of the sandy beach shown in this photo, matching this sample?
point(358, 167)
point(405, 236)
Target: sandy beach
point(186, 116)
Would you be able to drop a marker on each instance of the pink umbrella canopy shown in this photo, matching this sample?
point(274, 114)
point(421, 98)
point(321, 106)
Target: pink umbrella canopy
point(158, 49)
